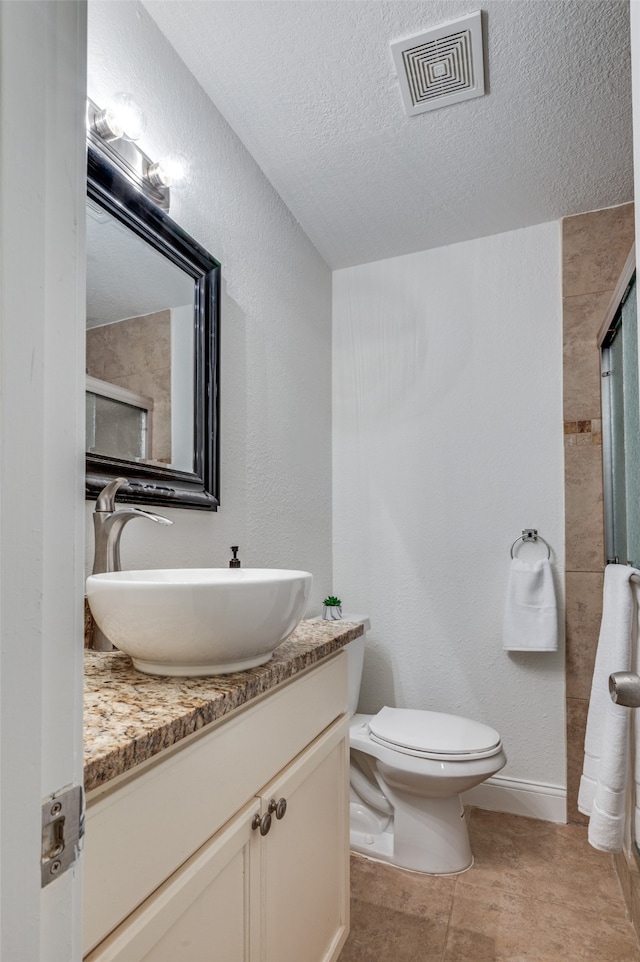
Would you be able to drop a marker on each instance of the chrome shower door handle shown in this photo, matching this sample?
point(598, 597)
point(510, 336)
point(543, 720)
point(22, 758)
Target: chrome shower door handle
point(624, 688)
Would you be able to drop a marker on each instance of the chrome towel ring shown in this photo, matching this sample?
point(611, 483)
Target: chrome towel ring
point(531, 534)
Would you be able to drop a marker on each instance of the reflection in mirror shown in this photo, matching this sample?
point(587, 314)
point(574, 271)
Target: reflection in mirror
point(139, 338)
point(153, 309)
point(119, 422)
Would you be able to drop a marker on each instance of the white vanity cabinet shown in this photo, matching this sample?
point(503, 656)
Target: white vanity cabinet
point(176, 866)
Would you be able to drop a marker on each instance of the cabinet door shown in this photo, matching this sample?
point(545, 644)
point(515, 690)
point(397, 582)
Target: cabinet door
point(208, 911)
point(305, 856)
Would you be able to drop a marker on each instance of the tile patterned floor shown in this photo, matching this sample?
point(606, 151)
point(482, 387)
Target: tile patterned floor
point(536, 893)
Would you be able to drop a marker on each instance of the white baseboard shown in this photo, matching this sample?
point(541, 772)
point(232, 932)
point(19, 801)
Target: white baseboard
point(518, 797)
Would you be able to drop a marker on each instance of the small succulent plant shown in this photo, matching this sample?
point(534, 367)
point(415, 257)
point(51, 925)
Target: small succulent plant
point(331, 601)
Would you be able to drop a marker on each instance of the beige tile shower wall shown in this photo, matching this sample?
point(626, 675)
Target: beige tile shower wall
point(595, 247)
point(136, 354)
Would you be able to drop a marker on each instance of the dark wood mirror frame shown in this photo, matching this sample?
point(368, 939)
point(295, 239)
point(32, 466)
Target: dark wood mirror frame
point(147, 483)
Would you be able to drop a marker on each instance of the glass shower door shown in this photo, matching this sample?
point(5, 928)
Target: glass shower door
point(621, 457)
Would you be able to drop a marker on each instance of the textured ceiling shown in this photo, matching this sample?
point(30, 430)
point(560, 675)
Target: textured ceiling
point(310, 88)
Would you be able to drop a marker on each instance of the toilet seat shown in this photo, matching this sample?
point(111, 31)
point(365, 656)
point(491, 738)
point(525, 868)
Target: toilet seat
point(428, 734)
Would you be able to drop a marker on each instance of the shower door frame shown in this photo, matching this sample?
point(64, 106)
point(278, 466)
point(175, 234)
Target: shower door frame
point(609, 330)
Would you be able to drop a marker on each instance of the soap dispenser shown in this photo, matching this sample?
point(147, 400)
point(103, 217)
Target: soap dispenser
point(235, 561)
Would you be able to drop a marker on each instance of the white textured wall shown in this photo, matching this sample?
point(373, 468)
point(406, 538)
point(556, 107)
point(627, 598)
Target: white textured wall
point(447, 442)
point(276, 323)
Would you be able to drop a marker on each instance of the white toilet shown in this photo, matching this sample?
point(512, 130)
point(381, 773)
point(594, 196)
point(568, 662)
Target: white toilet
point(408, 769)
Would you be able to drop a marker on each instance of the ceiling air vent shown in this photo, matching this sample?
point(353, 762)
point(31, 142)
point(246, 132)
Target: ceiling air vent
point(442, 66)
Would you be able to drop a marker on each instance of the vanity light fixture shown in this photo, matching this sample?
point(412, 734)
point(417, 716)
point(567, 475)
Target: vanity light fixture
point(122, 118)
point(171, 171)
point(113, 129)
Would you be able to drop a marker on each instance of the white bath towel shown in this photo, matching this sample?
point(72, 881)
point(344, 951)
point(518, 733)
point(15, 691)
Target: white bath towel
point(634, 788)
point(603, 786)
point(531, 610)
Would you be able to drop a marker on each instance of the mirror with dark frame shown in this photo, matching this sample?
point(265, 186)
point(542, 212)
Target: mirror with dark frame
point(153, 331)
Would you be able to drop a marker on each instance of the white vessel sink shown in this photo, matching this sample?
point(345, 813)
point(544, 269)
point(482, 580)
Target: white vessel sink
point(198, 621)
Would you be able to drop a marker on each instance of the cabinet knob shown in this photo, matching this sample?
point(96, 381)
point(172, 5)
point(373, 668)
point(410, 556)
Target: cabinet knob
point(278, 807)
point(264, 823)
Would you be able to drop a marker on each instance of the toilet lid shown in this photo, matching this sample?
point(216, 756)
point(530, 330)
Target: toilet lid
point(433, 733)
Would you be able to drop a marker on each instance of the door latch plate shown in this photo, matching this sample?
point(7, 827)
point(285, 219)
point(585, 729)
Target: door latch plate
point(62, 832)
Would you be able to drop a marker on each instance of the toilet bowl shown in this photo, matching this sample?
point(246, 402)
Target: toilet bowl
point(408, 770)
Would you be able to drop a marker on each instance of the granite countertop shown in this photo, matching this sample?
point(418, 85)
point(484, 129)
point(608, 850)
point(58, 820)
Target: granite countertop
point(130, 717)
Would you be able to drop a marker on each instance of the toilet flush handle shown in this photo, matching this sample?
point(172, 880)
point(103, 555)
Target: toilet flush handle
point(624, 688)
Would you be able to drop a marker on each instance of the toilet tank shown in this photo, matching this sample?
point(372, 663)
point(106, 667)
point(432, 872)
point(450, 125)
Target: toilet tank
point(355, 656)
point(355, 659)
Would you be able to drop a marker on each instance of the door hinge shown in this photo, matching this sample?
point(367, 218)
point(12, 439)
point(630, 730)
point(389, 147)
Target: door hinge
point(606, 374)
point(62, 832)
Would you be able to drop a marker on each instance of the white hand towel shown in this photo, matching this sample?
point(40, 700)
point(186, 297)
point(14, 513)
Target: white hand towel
point(603, 785)
point(531, 610)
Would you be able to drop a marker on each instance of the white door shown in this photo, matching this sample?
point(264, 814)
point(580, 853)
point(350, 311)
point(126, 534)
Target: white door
point(42, 92)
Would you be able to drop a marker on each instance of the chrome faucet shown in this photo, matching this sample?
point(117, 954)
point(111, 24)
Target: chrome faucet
point(108, 523)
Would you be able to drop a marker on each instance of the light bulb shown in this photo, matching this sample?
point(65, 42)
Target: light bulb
point(121, 118)
point(170, 171)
